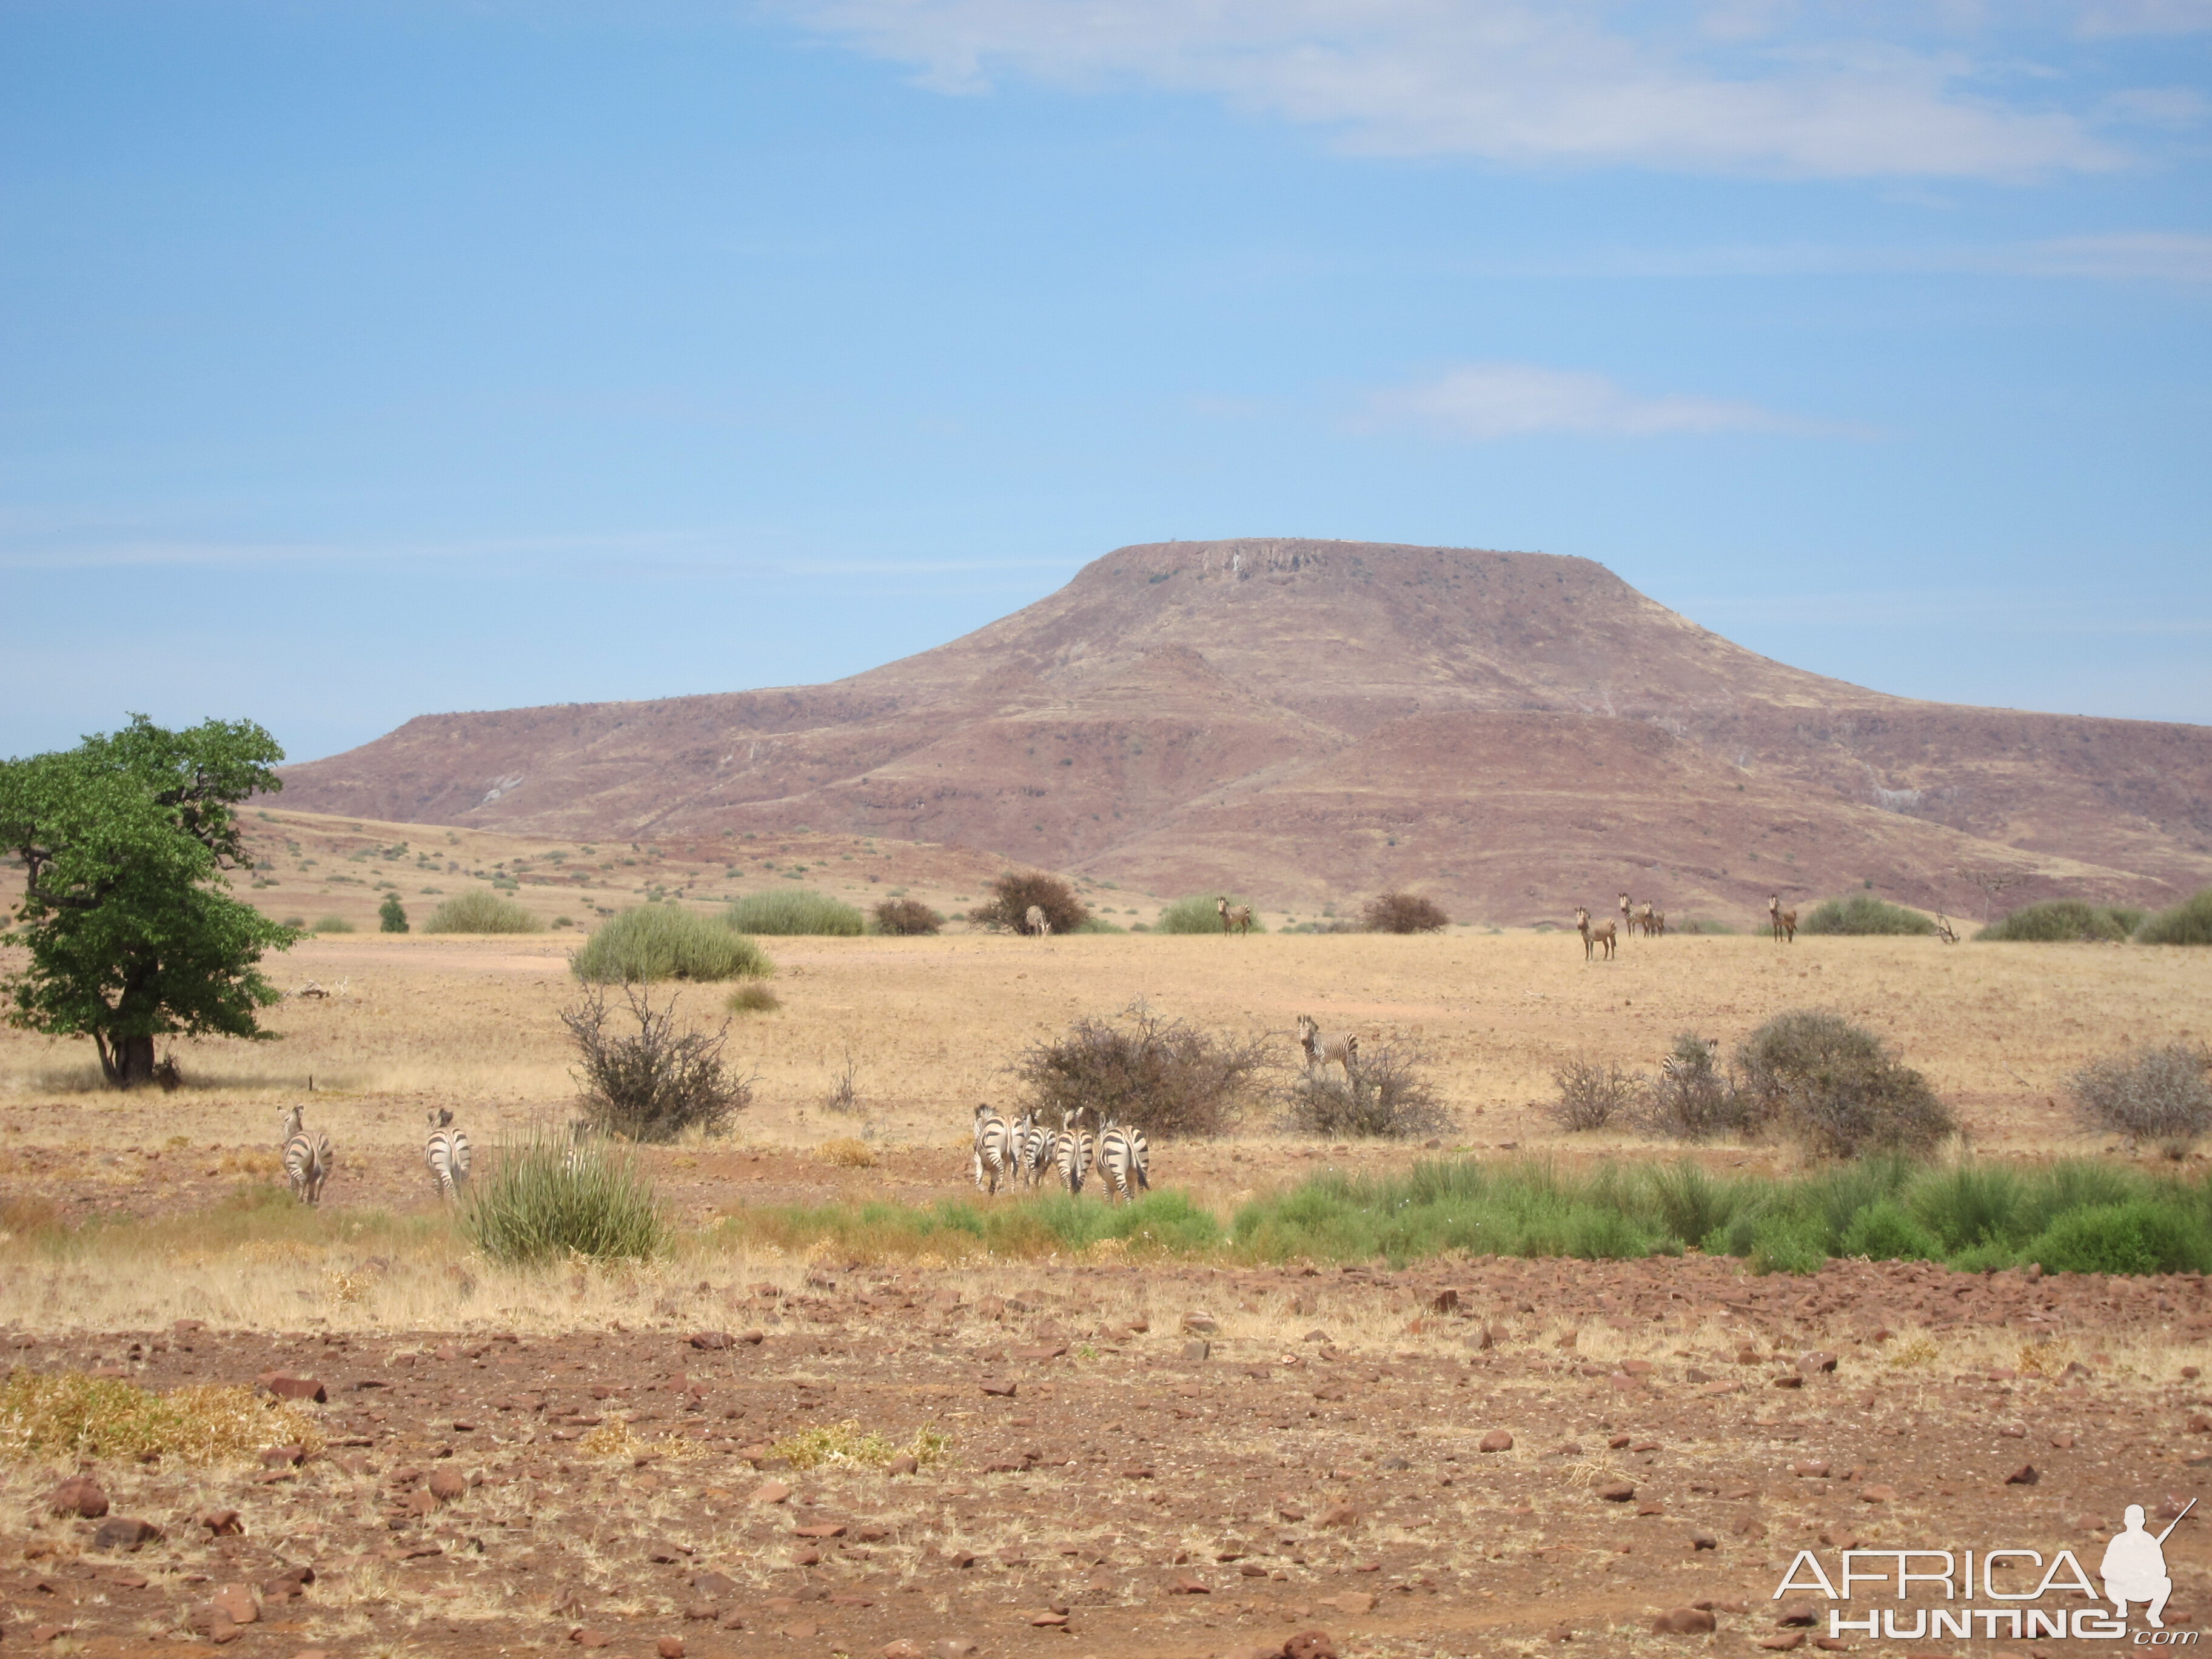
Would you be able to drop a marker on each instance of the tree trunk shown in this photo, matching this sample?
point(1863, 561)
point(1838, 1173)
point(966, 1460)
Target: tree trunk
point(126, 1061)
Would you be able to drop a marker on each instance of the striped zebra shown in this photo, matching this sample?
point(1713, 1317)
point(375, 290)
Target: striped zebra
point(994, 1151)
point(1321, 1046)
point(1034, 1146)
point(1686, 1062)
point(307, 1157)
point(447, 1152)
point(1123, 1159)
point(1071, 1150)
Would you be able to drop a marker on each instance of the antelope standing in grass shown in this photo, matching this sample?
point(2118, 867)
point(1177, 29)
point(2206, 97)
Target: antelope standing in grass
point(1321, 1046)
point(307, 1157)
point(1234, 917)
point(1036, 923)
point(1124, 1159)
point(447, 1152)
point(1785, 921)
point(994, 1151)
point(1593, 936)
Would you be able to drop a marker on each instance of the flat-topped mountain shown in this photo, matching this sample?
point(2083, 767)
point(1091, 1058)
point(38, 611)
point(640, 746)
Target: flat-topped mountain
point(1305, 721)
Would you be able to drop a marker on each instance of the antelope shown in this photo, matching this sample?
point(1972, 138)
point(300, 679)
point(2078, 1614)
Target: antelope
point(447, 1152)
point(1785, 921)
point(1036, 923)
point(307, 1157)
point(1321, 1046)
point(1236, 916)
point(1594, 937)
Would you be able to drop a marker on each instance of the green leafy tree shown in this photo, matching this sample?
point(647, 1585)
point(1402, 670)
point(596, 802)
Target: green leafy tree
point(392, 914)
point(129, 931)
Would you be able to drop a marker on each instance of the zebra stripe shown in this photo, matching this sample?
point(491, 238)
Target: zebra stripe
point(308, 1157)
point(1034, 1148)
point(1072, 1151)
point(1123, 1154)
point(447, 1152)
point(994, 1151)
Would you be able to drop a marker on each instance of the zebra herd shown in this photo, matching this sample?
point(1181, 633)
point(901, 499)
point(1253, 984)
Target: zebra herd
point(308, 1157)
point(1011, 1149)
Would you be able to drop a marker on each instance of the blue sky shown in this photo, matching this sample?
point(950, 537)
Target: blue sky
point(369, 360)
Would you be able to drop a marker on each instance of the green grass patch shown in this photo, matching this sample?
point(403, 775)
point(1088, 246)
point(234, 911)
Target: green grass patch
point(955, 1231)
point(482, 912)
point(67, 1415)
point(547, 1198)
point(2189, 923)
point(659, 941)
point(1200, 913)
point(2056, 922)
point(1862, 913)
point(795, 910)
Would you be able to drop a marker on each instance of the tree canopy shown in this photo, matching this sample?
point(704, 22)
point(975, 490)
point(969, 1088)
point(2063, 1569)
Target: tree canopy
point(129, 932)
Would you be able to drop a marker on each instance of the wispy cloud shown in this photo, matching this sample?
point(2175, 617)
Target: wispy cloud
point(1481, 402)
point(1739, 86)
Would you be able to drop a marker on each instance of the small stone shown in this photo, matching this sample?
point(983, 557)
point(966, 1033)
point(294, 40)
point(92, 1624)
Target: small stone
point(770, 1492)
point(590, 1638)
point(714, 1341)
point(1785, 1643)
point(1002, 1387)
point(1616, 1491)
point(81, 1496)
point(447, 1484)
point(901, 1464)
point(1310, 1644)
point(1795, 1614)
point(1703, 1540)
point(293, 1388)
point(119, 1532)
point(220, 1523)
point(1816, 1363)
point(1190, 1587)
point(1815, 1470)
point(1496, 1441)
point(2025, 1475)
point(901, 1649)
point(1197, 1348)
point(752, 1338)
point(1789, 1380)
point(953, 1647)
point(1201, 1324)
point(1338, 1515)
point(2062, 1442)
point(1684, 1621)
point(236, 1603)
point(1877, 1494)
point(669, 1647)
point(283, 1457)
point(1050, 1620)
point(1355, 1602)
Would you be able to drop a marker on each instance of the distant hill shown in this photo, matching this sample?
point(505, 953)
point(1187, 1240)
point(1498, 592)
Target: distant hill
point(1307, 722)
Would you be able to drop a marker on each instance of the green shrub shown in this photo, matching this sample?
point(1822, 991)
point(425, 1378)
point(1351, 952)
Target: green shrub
point(1862, 913)
point(392, 915)
point(481, 913)
point(1201, 913)
point(1837, 1089)
point(1013, 892)
point(1403, 913)
point(1784, 1243)
point(2065, 921)
point(1971, 1205)
point(2189, 923)
point(795, 910)
point(906, 918)
point(2138, 1237)
point(753, 999)
point(333, 925)
point(2156, 1095)
point(547, 1198)
point(659, 941)
point(1885, 1232)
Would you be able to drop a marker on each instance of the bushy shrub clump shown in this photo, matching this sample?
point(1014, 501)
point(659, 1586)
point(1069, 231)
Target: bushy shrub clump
point(1200, 913)
point(548, 1198)
point(392, 915)
point(481, 912)
point(1013, 893)
point(794, 910)
point(656, 1082)
point(1591, 1096)
point(2065, 921)
point(2189, 923)
point(2157, 1095)
point(661, 941)
point(1862, 913)
point(1836, 1088)
point(1167, 1077)
point(906, 917)
point(1388, 1096)
point(1403, 913)
point(1693, 1099)
point(340, 925)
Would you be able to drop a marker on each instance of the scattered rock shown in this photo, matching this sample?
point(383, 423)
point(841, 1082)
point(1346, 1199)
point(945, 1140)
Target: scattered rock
point(1003, 1386)
point(1703, 1540)
point(1789, 1380)
point(1617, 1491)
point(1684, 1621)
point(2025, 1475)
point(1497, 1440)
point(447, 1484)
point(1310, 1644)
point(1201, 1324)
point(770, 1492)
point(236, 1603)
point(1784, 1643)
point(122, 1533)
point(1197, 1348)
point(1190, 1587)
point(220, 1523)
point(291, 1388)
point(79, 1496)
point(901, 1649)
point(1813, 1470)
point(1796, 1614)
point(669, 1647)
point(714, 1341)
point(1338, 1515)
point(1817, 1362)
point(1355, 1602)
point(953, 1647)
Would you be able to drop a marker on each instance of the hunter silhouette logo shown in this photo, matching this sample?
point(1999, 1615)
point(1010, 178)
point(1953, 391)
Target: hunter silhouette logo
point(2134, 1567)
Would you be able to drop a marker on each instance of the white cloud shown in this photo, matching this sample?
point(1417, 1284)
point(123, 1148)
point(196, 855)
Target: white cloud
point(2160, 256)
point(1516, 80)
point(1484, 401)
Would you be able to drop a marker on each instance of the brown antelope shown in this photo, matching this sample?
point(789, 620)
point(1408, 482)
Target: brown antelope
point(1593, 936)
point(1785, 921)
point(1234, 917)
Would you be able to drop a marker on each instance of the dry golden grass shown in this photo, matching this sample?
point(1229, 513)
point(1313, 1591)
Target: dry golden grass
point(69, 1414)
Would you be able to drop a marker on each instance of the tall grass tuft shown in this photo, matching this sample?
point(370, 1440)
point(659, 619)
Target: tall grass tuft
point(2189, 923)
point(482, 912)
point(547, 1198)
point(659, 941)
point(67, 1415)
point(1862, 913)
point(795, 910)
point(1200, 913)
point(2064, 922)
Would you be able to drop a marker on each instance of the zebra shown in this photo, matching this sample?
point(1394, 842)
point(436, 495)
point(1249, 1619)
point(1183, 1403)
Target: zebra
point(1123, 1156)
point(307, 1157)
point(1036, 923)
point(1680, 1068)
point(1071, 1150)
point(1321, 1046)
point(1238, 917)
point(447, 1152)
point(1785, 921)
point(1033, 1148)
point(994, 1151)
point(1594, 939)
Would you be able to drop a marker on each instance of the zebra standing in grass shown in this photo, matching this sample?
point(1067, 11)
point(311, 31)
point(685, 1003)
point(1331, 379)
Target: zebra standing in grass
point(1124, 1157)
point(1033, 1147)
point(1072, 1150)
point(994, 1151)
point(1681, 1067)
point(447, 1152)
point(307, 1157)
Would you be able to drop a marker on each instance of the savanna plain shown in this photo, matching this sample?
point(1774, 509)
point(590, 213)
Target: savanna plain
point(814, 1425)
